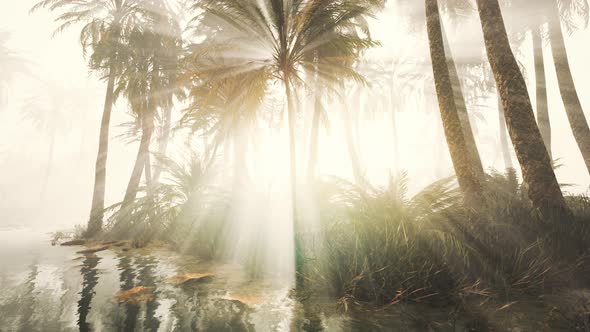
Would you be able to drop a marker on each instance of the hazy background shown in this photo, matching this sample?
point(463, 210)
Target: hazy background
point(66, 102)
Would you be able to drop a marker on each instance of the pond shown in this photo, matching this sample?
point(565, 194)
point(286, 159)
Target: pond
point(56, 288)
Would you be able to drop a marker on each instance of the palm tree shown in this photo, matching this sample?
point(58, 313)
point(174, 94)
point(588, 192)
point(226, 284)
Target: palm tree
point(464, 163)
point(106, 22)
point(541, 88)
point(10, 65)
point(456, 10)
point(53, 110)
point(278, 38)
point(135, 85)
point(284, 35)
point(149, 83)
point(462, 109)
point(542, 185)
point(504, 145)
point(535, 24)
point(567, 88)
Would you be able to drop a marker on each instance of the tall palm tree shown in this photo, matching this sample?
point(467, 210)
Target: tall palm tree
point(278, 38)
point(504, 145)
point(149, 82)
point(136, 84)
point(464, 163)
point(105, 24)
point(461, 106)
point(567, 88)
point(456, 10)
point(11, 64)
point(535, 25)
point(541, 89)
point(53, 110)
point(542, 185)
point(282, 36)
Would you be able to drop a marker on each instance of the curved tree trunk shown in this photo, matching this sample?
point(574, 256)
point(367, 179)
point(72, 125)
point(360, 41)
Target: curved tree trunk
point(140, 160)
point(314, 140)
point(464, 165)
point(541, 88)
point(462, 109)
point(143, 154)
point(97, 209)
point(355, 162)
point(396, 152)
point(503, 138)
point(240, 145)
point(567, 88)
point(48, 167)
point(543, 188)
point(164, 140)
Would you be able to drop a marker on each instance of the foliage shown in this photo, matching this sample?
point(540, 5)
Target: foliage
point(182, 209)
point(384, 248)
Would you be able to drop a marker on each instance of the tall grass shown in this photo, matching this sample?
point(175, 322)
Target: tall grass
point(383, 247)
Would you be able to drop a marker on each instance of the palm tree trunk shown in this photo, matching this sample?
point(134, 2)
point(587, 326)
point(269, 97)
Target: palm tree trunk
point(541, 88)
point(149, 180)
point(164, 139)
point(543, 188)
point(503, 138)
point(462, 109)
point(140, 162)
point(239, 163)
point(567, 88)
point(97, 209)
point(48, 167)
point(396, 152)
point(299, 278)
point(143, 154)
point(314, 140)
point(355, 162)
point(463, 163)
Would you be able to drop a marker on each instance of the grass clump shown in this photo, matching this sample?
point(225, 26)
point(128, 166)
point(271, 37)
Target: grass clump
point(382, 247)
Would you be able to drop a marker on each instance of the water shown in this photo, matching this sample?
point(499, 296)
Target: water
point(53, 288)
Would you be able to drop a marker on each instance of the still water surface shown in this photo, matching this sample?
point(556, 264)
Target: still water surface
point(54, 288)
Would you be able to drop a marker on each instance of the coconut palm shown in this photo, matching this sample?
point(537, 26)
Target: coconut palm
point(278, 38)
point(135, 85)
point(569, 10)
point(545, 23)
point(542, 185)
point(54, 110)
point(105, 24)
point(282, 36)
point(149, 83)
point(455, 9)
point(225, 110)
point(11, 64)
point(464, 163)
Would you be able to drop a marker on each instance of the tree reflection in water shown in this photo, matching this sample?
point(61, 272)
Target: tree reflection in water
point(89, 282)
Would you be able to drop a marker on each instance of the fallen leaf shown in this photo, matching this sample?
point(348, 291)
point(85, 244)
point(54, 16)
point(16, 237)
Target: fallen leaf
point(136, 295)
point(189, 277)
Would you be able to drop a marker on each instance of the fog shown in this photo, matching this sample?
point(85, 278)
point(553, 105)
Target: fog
point(54, 98)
